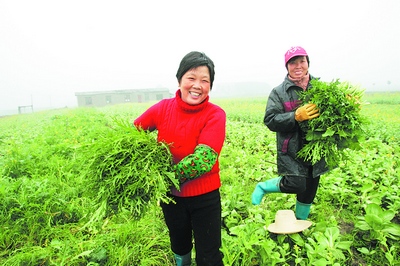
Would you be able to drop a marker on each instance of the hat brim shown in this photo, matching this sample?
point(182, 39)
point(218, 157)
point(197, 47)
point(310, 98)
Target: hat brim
point(299, 54)
point(298, 226)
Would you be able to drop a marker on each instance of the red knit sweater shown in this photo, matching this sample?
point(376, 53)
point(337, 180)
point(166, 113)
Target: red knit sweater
point(183, 127)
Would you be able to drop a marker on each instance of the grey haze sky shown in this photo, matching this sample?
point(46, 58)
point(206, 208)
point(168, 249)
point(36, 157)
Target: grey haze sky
point(51, 49)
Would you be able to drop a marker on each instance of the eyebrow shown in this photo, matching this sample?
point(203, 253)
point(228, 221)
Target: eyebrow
point(192, 72)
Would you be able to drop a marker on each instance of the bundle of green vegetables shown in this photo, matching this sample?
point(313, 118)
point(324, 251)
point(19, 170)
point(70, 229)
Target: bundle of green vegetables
point(339, 125)
point(128, 170)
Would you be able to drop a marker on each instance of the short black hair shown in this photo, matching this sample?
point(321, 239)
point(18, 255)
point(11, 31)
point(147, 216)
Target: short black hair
point(295, 57)
point(193, 60)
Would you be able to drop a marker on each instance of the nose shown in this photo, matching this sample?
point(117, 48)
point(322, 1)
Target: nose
point(196, 85)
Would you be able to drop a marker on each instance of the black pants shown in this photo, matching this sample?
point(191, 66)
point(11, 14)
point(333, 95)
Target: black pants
point(304, 187)
point(198, 216)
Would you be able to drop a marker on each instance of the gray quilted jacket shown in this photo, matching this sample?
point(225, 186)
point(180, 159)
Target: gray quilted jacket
point(279, 117)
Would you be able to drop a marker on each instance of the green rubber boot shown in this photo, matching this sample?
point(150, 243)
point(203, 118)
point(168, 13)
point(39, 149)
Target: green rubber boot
point(262, 188)
point(184, 260)
point(302, 210)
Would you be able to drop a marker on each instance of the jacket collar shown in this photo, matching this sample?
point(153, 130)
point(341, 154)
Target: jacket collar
point(287, 83)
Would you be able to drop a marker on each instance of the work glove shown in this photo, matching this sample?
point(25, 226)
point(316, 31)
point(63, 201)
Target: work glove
point(306, 112)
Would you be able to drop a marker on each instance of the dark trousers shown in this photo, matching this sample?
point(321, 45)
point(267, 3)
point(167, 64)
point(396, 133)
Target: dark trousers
point(304, 187)
point(198, 216)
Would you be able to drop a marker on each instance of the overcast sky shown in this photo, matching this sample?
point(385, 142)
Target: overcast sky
point(50, 49)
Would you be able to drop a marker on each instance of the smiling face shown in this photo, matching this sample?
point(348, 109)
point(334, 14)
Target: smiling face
point(298, 67)
point(195, 85)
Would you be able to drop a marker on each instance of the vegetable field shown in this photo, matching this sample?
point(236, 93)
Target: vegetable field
point(56, 210)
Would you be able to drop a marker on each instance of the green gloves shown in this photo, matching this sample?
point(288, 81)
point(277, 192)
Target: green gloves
point(306, 112)
point(196, 164)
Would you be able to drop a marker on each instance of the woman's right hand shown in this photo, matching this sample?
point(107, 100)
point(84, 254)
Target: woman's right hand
point(306, 112)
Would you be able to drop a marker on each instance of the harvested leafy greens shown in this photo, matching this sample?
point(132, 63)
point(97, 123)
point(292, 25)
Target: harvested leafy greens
point(128, 170)
point(339, 126)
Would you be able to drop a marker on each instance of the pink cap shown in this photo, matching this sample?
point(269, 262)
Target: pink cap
point(294, 51)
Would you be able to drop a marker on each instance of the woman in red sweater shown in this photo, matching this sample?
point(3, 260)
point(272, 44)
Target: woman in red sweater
point(194, 129)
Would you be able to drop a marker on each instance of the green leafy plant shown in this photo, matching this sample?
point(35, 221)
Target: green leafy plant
point(327, 248)
point(339, 125)
point(127, 170)
point(378, 223)
point(45, 199)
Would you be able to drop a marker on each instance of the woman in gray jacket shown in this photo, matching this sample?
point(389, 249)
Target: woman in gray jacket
point(283, 113)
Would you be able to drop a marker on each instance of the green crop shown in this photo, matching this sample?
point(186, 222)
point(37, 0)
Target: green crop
point(339, 126)
point(127, 169)
point(49, 196)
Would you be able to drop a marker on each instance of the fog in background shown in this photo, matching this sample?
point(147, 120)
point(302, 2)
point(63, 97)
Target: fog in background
point(51, 49)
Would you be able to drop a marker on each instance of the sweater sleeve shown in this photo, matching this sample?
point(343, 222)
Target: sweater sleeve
point(148, 120)
point(214, 130)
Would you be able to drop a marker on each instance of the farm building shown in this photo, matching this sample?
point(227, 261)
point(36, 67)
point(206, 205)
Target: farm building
point(103, 98)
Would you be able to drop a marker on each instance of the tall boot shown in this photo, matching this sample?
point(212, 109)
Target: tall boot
point(302, 210)
point(184, 260)
point(262, 188)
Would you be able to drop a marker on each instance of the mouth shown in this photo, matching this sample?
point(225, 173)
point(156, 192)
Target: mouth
point(298, 72)
point(194, 94)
